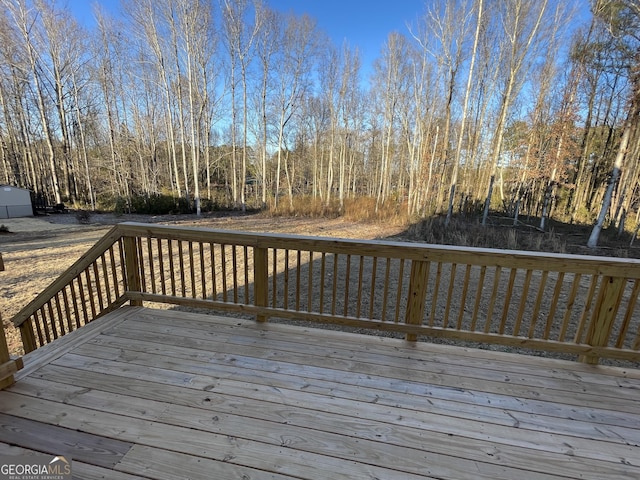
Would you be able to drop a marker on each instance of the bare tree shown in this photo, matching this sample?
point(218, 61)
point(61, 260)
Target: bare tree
point(392, 74)
point(465, 108)
point(147, 22)
point(240, 37)
point(267, 45)
point(623, 18)
point(30, 31)
point(521, 21)
point(293, 77)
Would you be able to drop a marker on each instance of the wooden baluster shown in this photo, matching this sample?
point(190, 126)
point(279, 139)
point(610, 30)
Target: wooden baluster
point(52, 319)
point(334, 287)
point(274, 273)
point(286, 279)
point(245, 252)
point(172, 271)
point(99, 289)
point(114, 271)
point(261, 279)
point(479, 290)
point(323, 270)
point(463, 297)
point(43, 315)
point(566, 319)
point(214, 281)
point(83, 300)
point(310, 283)
point(554, 305)
point(234, 264)
point(74, 299)
point(633, 299)
point(92, 301)
point(60, 314)
point(105, 276)
point(192, 271)
point(223, 270)
point(536, 309)
point(507, 301)
point(36, 322)
point(360, 277)
point(494, 295)
point(152, 267)
point(372, 295)
point(163, 281)
point(523, 302)
point(181, 265)
point(298, 284)
point(346, 285)
point(436, 291)
point(447, 309)
point(203, 279)
point(67, 309)
point(132, 267)
point(141, 268)
point(385, 290)
point(396, 317)
point(587, 309)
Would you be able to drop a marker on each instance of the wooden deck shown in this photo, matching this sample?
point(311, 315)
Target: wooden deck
point(165, 394)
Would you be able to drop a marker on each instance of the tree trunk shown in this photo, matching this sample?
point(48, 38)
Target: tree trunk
point(632, 119)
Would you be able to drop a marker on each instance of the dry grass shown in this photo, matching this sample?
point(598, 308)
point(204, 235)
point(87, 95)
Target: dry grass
point(361, 209)
point(473, 234)
point(34, 260)
point(33, 264)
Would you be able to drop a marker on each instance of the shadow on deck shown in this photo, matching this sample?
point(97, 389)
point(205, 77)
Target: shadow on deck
point(158, 394)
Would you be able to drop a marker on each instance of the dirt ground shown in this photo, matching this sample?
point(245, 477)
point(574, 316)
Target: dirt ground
point(37, 250)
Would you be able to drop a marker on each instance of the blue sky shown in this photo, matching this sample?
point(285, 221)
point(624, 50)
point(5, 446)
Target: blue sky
point(363, 23)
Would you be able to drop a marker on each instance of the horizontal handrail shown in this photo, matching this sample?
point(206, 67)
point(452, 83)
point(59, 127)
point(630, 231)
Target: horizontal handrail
point(587, 264)
point(573, 304)
point(68, 275)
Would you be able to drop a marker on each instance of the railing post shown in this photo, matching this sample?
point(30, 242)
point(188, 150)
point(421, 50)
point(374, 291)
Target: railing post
point(28, 338)
point(132, 266)
point(604, 314)
point(7, 366)
point(261, 280)
point(417, 295)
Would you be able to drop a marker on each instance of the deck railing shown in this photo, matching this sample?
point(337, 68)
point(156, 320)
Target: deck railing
point(578, 305)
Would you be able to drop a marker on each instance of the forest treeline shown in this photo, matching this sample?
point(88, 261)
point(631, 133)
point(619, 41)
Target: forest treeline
point(531, 107)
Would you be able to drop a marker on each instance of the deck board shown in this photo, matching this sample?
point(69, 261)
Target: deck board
point(188, 395)
point(97, 449)
point(81, 470)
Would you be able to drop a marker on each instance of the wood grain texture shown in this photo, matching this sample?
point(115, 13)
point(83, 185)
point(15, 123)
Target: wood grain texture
point(526, 311)
point(185, 395)
point(80, 470)
point(91, 448)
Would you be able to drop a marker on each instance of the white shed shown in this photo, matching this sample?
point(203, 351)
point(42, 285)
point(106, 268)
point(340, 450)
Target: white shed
point(15, 202)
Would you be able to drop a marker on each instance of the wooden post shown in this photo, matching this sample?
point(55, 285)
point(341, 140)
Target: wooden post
point(261, 280)
point(7, 366)
point(132, 266)
point(604, 314)
point(417, 295)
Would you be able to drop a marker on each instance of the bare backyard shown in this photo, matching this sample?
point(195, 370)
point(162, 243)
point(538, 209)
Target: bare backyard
point(37, 250)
